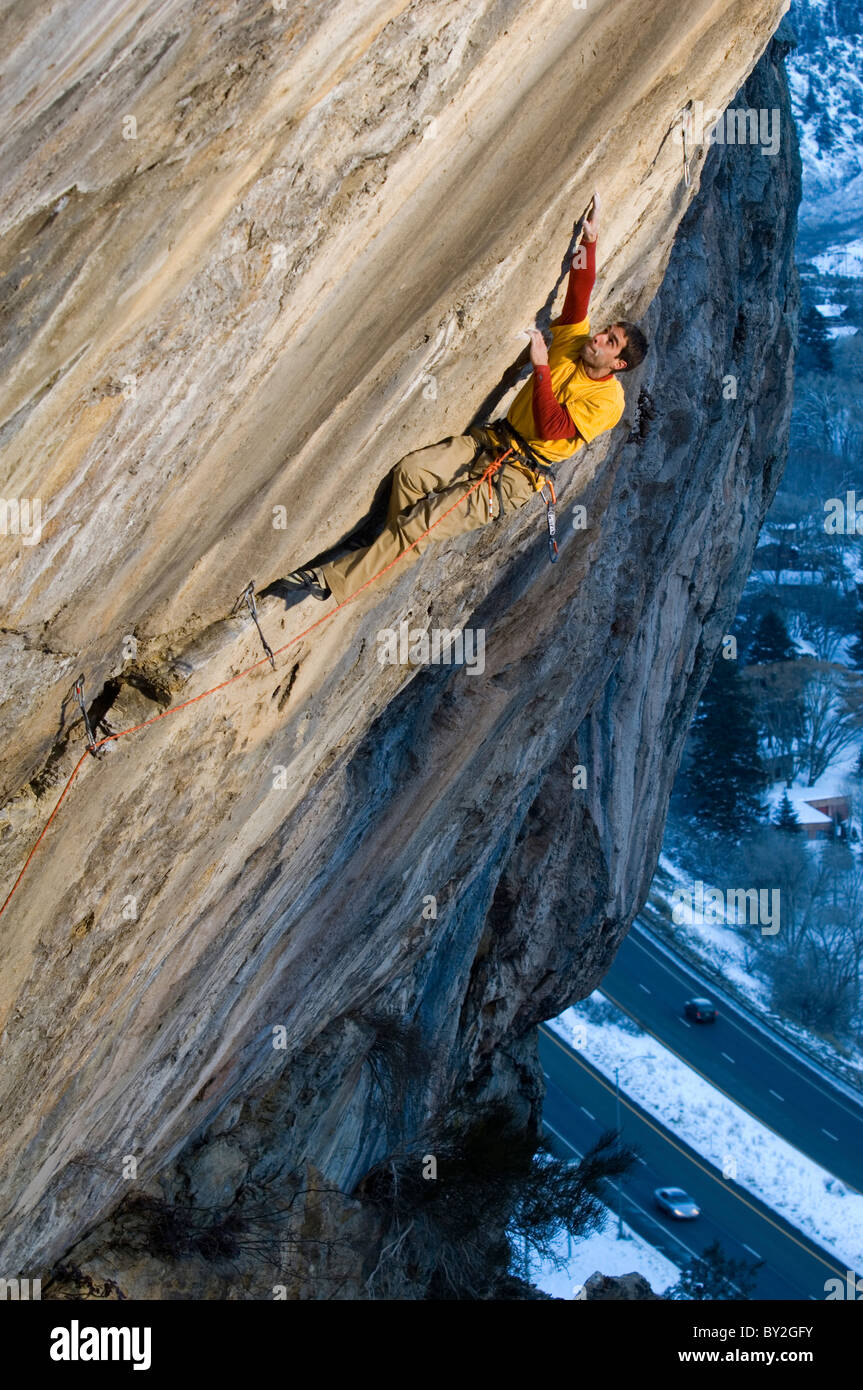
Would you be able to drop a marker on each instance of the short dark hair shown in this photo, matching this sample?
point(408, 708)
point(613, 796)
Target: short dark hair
point(635, 348)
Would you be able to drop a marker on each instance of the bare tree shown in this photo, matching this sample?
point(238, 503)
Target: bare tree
point(771, 860)
point(777, 689)
point(832, 714)
point(815, 960)
point(826, 409)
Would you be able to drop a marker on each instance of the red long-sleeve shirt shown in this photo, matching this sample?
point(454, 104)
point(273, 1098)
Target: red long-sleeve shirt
point(551, 419)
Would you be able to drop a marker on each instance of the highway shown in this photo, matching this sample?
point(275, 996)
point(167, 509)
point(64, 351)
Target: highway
point(779, 1088)
point(580, 1105)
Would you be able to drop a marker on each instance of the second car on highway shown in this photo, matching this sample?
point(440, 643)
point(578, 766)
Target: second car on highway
point(677, 1203)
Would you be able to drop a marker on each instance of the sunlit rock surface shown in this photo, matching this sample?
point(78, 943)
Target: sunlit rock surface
point(312, 253)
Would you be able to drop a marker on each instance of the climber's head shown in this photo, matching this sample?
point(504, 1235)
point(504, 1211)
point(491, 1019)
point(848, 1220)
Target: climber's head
point(618, 348)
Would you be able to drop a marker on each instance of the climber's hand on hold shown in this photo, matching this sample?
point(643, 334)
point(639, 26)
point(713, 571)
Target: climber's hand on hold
point(538, 349)
point(591, 222)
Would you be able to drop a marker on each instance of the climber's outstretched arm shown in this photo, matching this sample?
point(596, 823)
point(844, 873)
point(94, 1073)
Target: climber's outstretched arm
point(582, 273)
point(551, 418)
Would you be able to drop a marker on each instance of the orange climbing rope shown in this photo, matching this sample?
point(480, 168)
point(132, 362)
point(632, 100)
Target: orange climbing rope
point(264, 660)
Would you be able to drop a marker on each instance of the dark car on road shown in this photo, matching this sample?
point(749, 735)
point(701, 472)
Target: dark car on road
point(700, 1010)
point(677, 1203)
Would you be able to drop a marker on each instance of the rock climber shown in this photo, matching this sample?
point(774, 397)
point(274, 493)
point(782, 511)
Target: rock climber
point(573, 396)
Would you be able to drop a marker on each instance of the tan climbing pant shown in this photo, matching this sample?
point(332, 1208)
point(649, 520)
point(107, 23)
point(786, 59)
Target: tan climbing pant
point(426, 483)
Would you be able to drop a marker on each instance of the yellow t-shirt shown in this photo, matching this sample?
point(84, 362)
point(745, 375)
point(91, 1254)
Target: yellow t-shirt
point(595, 406)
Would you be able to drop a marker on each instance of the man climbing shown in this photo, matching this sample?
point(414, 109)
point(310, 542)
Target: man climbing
point(572, 397)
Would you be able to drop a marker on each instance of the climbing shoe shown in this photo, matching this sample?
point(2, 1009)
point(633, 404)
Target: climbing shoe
point(311, 581)
point(298, 586)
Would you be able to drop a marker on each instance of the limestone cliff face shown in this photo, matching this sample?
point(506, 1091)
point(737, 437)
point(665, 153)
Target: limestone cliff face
point(312, 256)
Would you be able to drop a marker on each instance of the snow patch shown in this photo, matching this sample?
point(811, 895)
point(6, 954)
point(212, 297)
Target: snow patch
point(605, 1253)
point(800, 1190)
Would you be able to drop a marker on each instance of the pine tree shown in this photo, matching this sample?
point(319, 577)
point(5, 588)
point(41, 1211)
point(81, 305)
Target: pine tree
point(815, 347)
point(855, 651)
point(786, 817)
point(771, 641)
point(824, 134)
point(725, 772)
point(811, 103)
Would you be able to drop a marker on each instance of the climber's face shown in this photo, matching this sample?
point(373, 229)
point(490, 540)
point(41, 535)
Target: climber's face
point(601, 353)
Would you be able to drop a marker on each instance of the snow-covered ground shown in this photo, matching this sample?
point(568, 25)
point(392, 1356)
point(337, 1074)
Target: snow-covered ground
point(719, 944)
point(809, 1197)
point(722, 946)
point(826, 90)
point(844, 260)
point(840, 780)
point(788, 577)
point(605, 1253)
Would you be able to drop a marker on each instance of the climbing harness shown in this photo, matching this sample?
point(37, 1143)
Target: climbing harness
point(497, 435)
point(541, 466)
point(248, 597)
point(79, 696)
point(485, 441)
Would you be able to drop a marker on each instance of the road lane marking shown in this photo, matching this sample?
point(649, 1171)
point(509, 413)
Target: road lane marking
point(709, 1079)
point(588, 1114)
point(685, 1024)
point(727, 1058)
point(644, 987)
point(777, 1095)
point(829, 1135)
point(778, 1049)
point(669, 1235)
point(665, 1135)
point(751, 1251)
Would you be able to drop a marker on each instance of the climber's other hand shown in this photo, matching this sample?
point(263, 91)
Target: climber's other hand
point(538, 349)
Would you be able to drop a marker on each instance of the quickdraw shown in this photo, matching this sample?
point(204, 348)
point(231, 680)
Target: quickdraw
point(551, 519)
point(685, 118)
point(230, 680)
point(248, 597)
point(490, 499)
point(495, 483)
point(79, 696)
